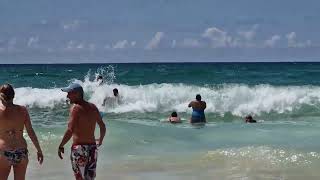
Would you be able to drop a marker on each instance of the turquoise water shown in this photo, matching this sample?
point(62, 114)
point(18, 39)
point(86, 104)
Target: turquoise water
point(283, 97)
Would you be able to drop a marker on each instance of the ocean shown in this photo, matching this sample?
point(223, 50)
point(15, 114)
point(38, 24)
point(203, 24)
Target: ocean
point(283, 97)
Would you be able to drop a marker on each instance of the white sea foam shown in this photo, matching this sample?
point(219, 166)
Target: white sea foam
point(236, 99)
point(35, 97)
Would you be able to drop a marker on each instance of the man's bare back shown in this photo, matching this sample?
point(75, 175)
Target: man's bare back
point(86, 116)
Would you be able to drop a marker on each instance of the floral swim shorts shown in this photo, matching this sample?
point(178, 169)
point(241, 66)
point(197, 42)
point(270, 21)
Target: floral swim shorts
point(84, 161)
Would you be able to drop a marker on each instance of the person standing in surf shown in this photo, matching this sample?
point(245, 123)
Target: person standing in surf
point(113, 101)
point(198, 108)
point(81, 127)
point(13, 146)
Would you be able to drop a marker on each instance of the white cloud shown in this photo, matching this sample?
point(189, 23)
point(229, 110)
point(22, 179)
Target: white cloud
point(80, 46)
point(71, 45)
point(33, 42)
point(292, 42)
point(291, 39)
point(174, 44)
point(121, 44)
point(155, 41)
point(272, 41)
point(308, 43)
point(71, 26)
point(250, 34)
point(236, 42)
point(218, 37)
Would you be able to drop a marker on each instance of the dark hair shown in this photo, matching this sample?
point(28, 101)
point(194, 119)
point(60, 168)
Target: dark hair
point(115, 92)
point(249, 117)
point(99, 77)
point(198, 97)
point(81, 94)
point(174, 114)
point(7, 92)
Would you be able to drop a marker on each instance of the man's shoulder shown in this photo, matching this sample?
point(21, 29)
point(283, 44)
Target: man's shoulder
point(92, 105)
point(74, 107)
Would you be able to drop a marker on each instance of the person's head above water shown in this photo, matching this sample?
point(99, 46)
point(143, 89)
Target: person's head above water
point(174, 114)
point(99, 77)
point(249, 117)
point(115, 92)
point(198, 97)
point(6, 93)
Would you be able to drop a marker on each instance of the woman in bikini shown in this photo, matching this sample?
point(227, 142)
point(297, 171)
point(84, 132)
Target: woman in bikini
point(13, 147)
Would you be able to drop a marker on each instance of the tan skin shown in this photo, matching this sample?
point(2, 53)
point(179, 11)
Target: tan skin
point(82, 122)
point(174, 119)
point(201, 105)
point(13, 120)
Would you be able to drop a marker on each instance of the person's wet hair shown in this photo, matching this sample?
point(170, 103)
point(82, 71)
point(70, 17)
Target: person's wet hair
point(198, 97)
point(7, 92)
point(174, 114)
point(99, 77)
point(115, 91)
point(249, 117)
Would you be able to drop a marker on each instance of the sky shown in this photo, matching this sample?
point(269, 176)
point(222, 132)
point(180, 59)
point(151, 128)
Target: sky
point(108, 31)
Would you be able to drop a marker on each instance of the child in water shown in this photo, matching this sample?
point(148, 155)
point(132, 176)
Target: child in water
point(174, 118)
point(249, 119)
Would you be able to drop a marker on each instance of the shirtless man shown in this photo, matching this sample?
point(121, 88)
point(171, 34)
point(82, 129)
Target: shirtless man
point(198, 108)
point(113, 101)
point(13, 146)
point(81, 127)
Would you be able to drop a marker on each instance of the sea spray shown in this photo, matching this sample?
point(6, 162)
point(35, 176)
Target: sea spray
point(237, 99)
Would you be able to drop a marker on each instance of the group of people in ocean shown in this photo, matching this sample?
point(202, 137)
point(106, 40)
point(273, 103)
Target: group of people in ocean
point(83, 118)
point(198, 106)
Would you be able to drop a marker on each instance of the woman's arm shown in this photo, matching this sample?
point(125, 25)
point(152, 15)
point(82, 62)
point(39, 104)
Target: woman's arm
point(32, 135)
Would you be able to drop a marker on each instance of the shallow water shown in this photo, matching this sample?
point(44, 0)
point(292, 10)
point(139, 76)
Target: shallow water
point(141, 145)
